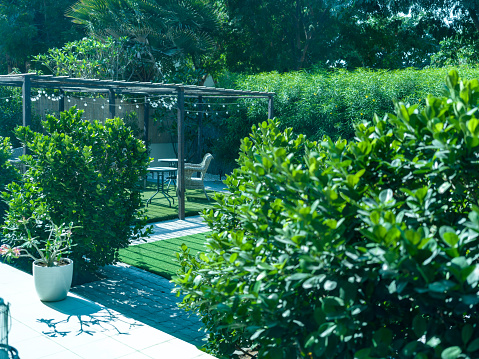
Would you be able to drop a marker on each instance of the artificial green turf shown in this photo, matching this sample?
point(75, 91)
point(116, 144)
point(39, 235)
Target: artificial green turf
point(157, 257)
point(160, 210)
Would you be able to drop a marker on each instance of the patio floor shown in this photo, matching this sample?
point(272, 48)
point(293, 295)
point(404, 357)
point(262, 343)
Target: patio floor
point(128, 314)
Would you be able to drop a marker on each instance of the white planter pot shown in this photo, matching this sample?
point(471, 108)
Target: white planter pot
point(53, 283)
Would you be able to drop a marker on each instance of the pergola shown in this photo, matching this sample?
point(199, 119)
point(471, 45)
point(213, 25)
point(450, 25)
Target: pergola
point(113, 88)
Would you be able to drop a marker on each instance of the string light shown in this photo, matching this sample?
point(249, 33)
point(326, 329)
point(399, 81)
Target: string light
point(165, 102)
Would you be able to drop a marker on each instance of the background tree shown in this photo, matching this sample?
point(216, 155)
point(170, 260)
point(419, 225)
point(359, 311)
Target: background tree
point(30, 27)
point(275, 35)
point(291, 35)
point(160, 32)
point(456, 11)
point(379, 40)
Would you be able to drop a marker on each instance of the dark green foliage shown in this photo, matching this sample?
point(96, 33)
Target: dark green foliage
point(361, 249)
point(323, 103)
point(8, 173)
point(278, 35)
point(10, 112)
point(30, 27)
point(155, 31)
point(85, 173)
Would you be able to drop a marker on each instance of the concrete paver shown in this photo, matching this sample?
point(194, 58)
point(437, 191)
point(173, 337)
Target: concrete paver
point(146, 297)
point(129, 314)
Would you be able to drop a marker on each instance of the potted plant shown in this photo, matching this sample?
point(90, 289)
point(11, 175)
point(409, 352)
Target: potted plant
point(52, 272)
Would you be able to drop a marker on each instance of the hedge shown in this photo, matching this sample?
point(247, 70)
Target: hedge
point(323, 103)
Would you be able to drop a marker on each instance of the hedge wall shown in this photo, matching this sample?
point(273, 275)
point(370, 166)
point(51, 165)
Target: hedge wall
point(323, 103)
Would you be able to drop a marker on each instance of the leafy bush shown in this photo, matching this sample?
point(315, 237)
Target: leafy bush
point(366, 249)
point(117, 59)
point(92, 58)
point(456, 51)
point(322, 103)
point(86, 174)
point(10, 112)
point(8, 173)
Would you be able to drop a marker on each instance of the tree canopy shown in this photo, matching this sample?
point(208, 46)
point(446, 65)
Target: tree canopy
point(31, 27)
point(157, 29)
point(290, 35)
point(248, 35)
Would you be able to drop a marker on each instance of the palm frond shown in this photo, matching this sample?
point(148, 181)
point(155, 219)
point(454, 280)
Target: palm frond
point(168, 26)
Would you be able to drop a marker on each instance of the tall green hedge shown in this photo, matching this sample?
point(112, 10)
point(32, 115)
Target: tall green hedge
point(10, 112)
point(324, 103)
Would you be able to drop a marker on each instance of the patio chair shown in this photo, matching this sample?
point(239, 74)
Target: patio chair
point(16, 153)
point(15, 160)
point(192, 168)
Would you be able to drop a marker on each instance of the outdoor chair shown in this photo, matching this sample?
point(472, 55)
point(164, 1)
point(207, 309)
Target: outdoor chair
point(15, 160)
point(197, 182)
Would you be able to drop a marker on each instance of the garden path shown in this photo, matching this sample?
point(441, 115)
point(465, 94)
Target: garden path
point(128, 314)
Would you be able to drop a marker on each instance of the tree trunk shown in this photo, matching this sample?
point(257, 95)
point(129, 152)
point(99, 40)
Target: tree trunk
point(474, 18)
point(309, 36)
point(46, 25)
point(299, 24)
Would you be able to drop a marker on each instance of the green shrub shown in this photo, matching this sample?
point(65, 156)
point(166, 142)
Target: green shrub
point(86, 174)
point(90, 58)
point(8, 173)
point(366, 249)
point(323, 103)
point(10, 112)
point(456, 51)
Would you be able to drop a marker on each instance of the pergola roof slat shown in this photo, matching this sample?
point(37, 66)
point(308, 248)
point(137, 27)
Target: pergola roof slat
point(110, 87)
point(93, 85)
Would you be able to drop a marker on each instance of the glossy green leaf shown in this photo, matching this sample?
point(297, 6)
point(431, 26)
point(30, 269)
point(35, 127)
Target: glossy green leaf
point(451, 353)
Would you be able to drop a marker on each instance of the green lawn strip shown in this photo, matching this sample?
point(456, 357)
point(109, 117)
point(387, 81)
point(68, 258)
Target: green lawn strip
point(160, 210)
point(157, 257)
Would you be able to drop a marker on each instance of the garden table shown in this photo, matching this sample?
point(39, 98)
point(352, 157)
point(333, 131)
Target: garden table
point(172, 162)
point(160, 179)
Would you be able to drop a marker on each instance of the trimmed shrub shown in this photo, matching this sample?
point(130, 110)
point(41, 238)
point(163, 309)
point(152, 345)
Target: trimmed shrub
point(361, 249)
point(83, 173)
point(10, 112)
point(322, 103)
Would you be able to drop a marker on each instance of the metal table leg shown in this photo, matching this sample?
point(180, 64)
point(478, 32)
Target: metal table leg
point(161, 189)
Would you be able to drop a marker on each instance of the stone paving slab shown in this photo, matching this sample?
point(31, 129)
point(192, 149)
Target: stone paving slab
point(145, 297)
point(130, 313)
point(81, 327)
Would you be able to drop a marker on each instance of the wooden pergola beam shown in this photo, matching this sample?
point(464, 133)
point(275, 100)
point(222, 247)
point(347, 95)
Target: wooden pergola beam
point(27, 104)
point(111, 88)
point(181, 154)
point(111, 102)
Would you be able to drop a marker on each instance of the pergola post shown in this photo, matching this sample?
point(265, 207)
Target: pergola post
point(200, 128)
point(146, 120)
point(61, 101)
point(111, 102)
point(27, 104)
point(270, 107)
point(181, 154)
